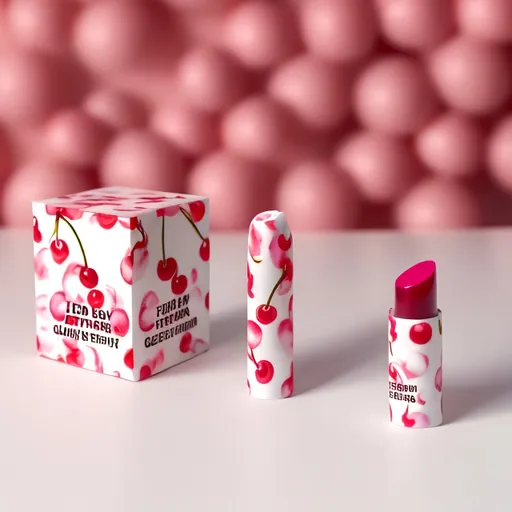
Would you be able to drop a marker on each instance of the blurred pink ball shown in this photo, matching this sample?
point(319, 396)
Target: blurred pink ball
point(204, 28)
point(193, 131)
point(438, 204)
point(499, 153)
point(382, 167)
point(42, 25)
point(317, 197)
point(318, 92)
point(260, 33)
point(141, 159)
point(393, 95)
point(238, 189)
point(258, 128)
point(116, 109)
point(486, 19)
point(115, 35)
point(210, 80)
point(339, 30)
point(452, 145)
point(471, 75)
point(76, 138)
point(39, 180)
point(416, 24)
point(6, 156)
point(30, 88)
point(309, 146)
point(201, 5)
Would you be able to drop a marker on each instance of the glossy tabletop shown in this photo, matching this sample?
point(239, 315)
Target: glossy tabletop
point(191, 439)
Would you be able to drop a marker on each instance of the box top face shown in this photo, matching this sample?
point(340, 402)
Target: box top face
point(119, 201)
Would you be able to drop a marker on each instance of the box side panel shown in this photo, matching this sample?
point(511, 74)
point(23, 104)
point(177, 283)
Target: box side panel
point(170, 295)
point(83, 302)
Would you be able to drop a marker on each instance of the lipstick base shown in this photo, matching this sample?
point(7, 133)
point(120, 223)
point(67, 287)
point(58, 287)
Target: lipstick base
point(415, 371)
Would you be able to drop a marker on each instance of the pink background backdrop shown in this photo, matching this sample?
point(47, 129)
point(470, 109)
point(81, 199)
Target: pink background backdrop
point(343, 113)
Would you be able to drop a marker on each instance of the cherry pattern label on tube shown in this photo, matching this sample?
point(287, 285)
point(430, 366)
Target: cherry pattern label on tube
point(270, 307)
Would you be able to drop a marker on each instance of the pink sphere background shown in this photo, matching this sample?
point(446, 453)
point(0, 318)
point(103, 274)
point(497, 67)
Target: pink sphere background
point(345, 114)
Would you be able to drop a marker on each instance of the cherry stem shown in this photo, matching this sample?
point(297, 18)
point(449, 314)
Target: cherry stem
point(163, 239)
point(60, 217)
point(140, 229)
point(56, 229)
point(274, 290)
point(391, 348)
point(253, 359)
point(191, 222)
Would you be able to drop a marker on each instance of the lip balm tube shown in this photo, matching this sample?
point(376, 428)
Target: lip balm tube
point(415, 367)
point(270, 307)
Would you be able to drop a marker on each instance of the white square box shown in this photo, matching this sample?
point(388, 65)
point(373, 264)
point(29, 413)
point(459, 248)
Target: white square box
point(122, 280)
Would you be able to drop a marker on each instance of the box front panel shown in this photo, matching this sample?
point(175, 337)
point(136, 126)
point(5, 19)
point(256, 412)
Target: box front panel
point(171, 288)
point(83, 289)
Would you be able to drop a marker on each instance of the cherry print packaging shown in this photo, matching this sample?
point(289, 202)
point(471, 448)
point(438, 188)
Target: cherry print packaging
point(122, 280)
point(270, 307)
point(415, 350)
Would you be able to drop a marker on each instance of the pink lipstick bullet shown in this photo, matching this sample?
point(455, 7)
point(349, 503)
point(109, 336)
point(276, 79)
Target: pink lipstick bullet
point(415, 350)
point(270, 307)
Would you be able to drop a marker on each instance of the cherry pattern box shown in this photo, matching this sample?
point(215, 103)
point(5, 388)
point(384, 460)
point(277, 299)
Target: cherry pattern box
point(122, 280)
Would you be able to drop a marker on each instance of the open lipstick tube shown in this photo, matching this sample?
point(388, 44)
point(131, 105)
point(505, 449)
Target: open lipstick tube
point(415, 350)
point(270, 307)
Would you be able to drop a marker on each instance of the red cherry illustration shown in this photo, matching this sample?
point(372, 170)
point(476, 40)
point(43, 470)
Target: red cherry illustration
point(250, 282)
point(420, 333)
point(106, 221)
point(37, 234)
point(266, 314)
point(185, 342)
point(145, 372)
point(392, 328)
point(60, 251)
point(287, 387)
point(76, 357)
point(166, 269)
point(207, 301)
point(265, 372)
point(179, 284)
point(88, 277)
point(96, 299)
point(408, 422)
point(284, 243)
point(392, 372)
point(197, 210)
point(204, 250)
point(128, 358)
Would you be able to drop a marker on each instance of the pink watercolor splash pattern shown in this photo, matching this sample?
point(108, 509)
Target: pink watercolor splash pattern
point(415, 371)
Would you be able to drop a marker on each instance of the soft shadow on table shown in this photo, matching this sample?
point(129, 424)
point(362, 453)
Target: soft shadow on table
point(476, 399)
point(228, 328)
point(343, 355)
point(225, 330)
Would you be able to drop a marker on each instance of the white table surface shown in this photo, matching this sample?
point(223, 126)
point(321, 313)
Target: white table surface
point(191, 439)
